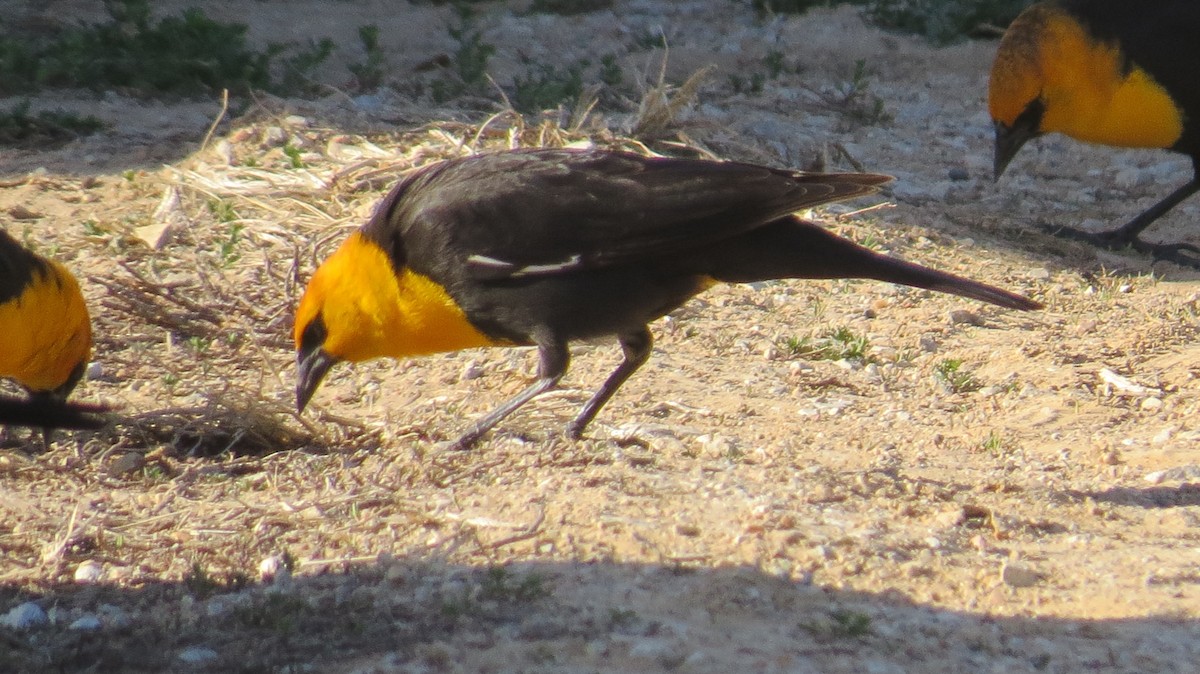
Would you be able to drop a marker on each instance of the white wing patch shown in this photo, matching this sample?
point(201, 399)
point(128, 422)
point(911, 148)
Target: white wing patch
point(496, 268)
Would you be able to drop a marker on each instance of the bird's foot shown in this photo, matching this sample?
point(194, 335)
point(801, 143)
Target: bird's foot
point(1183, 254)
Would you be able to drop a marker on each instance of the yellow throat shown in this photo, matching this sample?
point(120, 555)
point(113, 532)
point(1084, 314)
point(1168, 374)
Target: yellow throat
point(371, 311)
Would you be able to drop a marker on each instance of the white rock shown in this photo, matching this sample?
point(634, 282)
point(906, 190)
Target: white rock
point(26, 616)
point(1163, 436)
point(197, 655)
point(274, 569)
point(89, 572)
point(85, 623)
point(1177, 474)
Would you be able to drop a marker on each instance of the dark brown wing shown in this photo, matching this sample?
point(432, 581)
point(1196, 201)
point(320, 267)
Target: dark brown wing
point(537, 212)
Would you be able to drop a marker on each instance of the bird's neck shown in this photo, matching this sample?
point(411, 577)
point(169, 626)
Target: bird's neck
point(1093, 95)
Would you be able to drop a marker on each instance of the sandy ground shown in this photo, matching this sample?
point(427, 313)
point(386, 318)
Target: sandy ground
point(736, 506)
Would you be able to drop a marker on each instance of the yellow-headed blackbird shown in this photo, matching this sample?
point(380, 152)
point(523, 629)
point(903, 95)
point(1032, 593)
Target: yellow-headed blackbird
point(44, 323)
point(544, 247)
point(46, 412)
point(1112, 72)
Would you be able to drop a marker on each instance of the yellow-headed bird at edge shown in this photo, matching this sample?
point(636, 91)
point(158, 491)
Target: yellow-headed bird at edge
point(1113, 72)
point(546, 247)
point(44, 323)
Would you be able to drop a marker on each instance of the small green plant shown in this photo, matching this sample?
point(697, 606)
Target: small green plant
point(470, 58)
point(46, 129)
point(569, 7)
point(370, 72)
point(871, 241)
point(199, 344)
point(222, 210)
point(293, 154)
point(547, 87)
point(950, 372)
point(277, 612)
point(995, 444)
point(298, 67)
point(792, 6)
point(841, 624)
point(774, 63)
point(840, 344)
point(942, 22)
point(93, 228)
point(797, 346)
point(850, 623)
point(650, 39)
point(228, 248)
point(848, 345)
point(199, 583)
point(500, 584)
point(742, 85)
point(855, 100)
point(610, 71)
point(621, 617)
point(187, 54)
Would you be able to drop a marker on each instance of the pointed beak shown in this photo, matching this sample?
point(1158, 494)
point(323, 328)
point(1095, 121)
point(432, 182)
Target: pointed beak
point(1009, 140)
point(311, 367)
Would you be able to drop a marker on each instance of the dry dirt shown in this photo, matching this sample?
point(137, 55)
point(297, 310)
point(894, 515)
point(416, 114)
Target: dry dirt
point(735, 508)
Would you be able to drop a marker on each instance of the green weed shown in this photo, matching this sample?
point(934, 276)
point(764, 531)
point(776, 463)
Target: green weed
point(840, 344)
point(46, 129)
point(547, 87)
point(369, 73)
point(569, 7)
point(949, 371)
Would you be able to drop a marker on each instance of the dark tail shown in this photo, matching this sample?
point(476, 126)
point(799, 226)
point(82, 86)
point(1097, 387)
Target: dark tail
point(45, 412)
point(795, 248)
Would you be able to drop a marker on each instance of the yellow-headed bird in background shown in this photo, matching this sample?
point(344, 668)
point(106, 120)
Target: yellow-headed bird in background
point(45, 330)
point(1123, 73)
point(545, 247)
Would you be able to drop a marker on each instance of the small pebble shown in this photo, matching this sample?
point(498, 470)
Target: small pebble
point(25, 616)
point(126, 463)
point(85, 623)
point(471, 371)
point(963, 316)
point(274, 137)
point(274, 569)
point(197, 655)
point(89, 572)
point(1015, 575)
point(958, 173)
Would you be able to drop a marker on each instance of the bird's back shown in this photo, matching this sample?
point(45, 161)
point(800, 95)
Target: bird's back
point(583, 243)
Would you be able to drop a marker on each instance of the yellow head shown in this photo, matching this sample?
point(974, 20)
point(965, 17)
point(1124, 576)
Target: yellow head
point(1052, 75)
point(359, 306)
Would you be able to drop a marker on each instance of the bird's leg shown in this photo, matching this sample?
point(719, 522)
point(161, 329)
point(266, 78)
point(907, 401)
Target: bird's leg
point(1127, 235)
point(554, 357)
point(636, 346)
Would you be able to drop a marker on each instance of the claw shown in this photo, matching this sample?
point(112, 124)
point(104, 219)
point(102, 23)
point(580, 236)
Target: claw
point(1119, 239)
